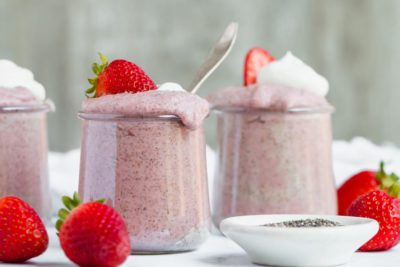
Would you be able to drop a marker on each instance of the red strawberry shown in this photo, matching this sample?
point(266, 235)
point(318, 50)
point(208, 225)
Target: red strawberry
point(256, 58)
point(92, 233)
point(361, 183)
point(385, 209)
point(354, 187)
point(22, 233)
point(119, 76)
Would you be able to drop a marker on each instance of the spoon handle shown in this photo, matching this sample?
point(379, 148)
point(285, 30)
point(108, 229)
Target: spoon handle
point(215, 57)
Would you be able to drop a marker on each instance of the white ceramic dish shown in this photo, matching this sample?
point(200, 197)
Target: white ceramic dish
point(282, 246)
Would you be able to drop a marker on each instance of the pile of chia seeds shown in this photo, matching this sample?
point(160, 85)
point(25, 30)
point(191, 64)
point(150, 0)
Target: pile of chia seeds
point(304, 223)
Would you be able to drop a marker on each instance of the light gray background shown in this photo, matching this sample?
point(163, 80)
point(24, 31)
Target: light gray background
point(354, 43)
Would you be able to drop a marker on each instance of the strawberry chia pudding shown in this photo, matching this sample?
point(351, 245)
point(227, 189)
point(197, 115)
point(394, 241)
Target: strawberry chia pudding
point(274, 144)
point(145, 153)
point(23, 138)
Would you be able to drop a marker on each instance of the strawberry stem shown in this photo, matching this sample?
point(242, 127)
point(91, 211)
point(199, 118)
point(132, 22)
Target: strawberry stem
point(101, 200)
point(63, 213)
point(394, 190)
point(77, 200)
point(103, 58)
point(97, 69)
point(70, 204)
point(388, 181)
point(67, 202)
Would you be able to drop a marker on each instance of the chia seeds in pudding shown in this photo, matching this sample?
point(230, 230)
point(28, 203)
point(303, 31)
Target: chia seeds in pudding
point(259, 139)
point(309, 223)
point(153, 168)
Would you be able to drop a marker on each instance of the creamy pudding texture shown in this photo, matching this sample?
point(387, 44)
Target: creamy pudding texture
point(151, 169)
point(23, 159)
point(273, 162)
point(191, 109)
point(23, 150)
point(274, 144)
point(17, 97)
point(268, 97)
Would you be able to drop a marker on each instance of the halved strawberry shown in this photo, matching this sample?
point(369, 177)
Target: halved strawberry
point(119, 76)
point(256, 58)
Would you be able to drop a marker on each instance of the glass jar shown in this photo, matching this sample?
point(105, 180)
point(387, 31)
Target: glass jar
point(273, 163)
point(23, 156)
point(152, 170)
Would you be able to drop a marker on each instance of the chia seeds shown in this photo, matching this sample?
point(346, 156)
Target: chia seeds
point(309, 223)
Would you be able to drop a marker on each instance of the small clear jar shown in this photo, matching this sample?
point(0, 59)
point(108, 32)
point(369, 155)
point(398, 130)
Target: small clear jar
point(152, 170)
point(23, 156)
point(273, 163)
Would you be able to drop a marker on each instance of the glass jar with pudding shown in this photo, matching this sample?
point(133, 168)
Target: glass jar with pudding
point(274, 144)
point(23, 138)
point(145, 153)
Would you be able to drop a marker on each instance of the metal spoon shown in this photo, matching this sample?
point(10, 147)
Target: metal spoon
point(217, 54)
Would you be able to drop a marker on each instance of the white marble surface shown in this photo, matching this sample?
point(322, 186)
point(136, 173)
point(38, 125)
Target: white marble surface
point(217, 251)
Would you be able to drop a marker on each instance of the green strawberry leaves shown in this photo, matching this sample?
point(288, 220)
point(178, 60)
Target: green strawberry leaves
point(391, 181)
point(97, 69)
point(70, 204)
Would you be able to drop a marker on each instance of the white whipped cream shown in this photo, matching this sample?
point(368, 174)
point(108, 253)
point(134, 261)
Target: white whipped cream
point(12, 76)
point(170, 87)
point(292, 72)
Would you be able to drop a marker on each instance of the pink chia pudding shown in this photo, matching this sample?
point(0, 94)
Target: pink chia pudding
point(23, 138)
point(274, 144)
point(145, 153)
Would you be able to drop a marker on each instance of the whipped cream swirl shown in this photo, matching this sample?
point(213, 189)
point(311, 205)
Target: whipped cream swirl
point(169, 86)
point(13, 76)
point(290, 71)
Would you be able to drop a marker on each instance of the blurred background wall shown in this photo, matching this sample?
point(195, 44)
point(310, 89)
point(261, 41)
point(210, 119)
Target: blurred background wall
point(354, 43)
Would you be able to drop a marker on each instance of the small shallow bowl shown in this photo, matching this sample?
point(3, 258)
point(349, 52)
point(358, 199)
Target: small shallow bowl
point(282, 246)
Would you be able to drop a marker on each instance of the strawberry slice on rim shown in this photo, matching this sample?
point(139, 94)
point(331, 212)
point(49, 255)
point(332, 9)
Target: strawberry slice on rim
point(256, 58)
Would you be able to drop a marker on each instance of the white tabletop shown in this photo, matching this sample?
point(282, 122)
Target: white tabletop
point(217, 251)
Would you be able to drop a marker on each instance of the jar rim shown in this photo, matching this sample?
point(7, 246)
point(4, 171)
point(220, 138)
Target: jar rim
point(118, 116)
point(299, 110)
point(44, 106)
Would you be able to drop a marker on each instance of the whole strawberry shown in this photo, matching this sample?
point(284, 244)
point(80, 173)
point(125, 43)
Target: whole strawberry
point(22, 233)
point(92, 234)
point(385, 208)
point(361, 183)
point(119, 76)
